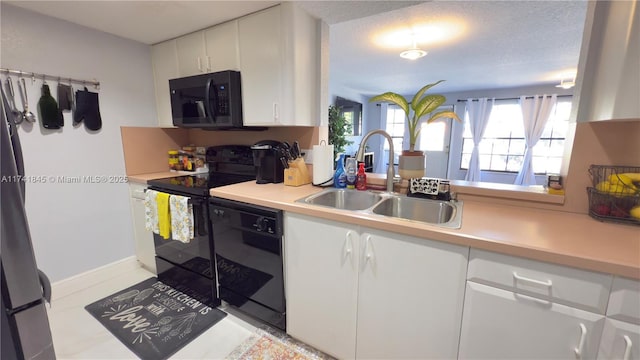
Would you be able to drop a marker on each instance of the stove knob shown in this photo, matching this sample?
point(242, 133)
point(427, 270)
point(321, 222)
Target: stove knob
point(262, 224)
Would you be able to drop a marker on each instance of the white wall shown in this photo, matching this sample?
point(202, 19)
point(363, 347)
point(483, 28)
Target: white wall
point(78, 227)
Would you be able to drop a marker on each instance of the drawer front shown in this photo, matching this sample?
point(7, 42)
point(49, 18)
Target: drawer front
point(578, 288)
point(137, 190)
point(624, 303)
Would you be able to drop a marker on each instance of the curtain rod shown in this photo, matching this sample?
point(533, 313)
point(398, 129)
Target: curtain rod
point(33, 76)
point(527, 97)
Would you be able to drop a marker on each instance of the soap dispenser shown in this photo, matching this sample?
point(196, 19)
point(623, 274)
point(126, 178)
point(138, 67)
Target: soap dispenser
point(340, 177)
point(361, 178)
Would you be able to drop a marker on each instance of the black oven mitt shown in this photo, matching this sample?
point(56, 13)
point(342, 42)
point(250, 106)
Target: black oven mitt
point(49, 110)
point(87, 110)
point(65, 97)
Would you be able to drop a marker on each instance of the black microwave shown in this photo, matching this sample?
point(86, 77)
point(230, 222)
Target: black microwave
point(208, 101)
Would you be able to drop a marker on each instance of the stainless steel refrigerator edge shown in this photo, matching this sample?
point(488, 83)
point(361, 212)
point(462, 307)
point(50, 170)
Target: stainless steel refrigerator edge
point(26, 333)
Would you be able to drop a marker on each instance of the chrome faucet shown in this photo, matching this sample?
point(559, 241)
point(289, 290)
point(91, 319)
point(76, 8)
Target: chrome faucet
point(390, 168)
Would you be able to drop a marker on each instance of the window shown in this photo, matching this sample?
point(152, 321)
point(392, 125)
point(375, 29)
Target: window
point(396, 122)
point(432, 136)
point(503, 145)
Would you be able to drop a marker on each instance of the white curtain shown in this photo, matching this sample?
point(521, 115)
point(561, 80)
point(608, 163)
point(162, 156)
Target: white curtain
point(535, 114)
point(477, 114)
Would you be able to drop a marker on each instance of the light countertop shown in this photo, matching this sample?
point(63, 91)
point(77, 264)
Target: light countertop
point(558, 237)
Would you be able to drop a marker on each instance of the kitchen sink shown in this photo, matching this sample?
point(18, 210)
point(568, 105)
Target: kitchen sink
point(344, 199)
point(391, 205)
point(429, 211)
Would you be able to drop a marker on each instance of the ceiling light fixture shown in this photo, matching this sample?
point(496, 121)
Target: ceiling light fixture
point(567, 84)
point(413, 53)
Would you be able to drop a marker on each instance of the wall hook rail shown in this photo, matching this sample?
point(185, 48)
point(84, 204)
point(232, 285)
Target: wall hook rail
point(44, 77)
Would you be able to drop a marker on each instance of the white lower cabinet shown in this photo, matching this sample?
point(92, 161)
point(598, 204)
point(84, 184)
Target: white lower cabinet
point(321, 282)
point(361, 293)
point(144, 247)
point(621, 335)
point(500, 324)
point(620, 340)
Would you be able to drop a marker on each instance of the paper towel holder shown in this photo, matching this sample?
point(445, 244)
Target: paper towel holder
point(323, 152)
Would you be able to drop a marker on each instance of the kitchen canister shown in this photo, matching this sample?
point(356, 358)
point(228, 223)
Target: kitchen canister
point(322, 164)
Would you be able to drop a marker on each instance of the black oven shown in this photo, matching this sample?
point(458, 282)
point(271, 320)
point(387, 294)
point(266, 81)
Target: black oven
point(211, 101)
point(190, 267)
point(249, 258)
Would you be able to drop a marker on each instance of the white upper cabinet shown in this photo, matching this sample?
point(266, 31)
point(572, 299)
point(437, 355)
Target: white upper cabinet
point(222, 47)
point(610, 62)
point(279, 62)
point(165, 67)
point(192, 56)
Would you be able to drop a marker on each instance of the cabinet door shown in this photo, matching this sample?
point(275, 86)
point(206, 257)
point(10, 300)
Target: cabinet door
point(499, 324)
point(620, 340)
point(165, 67)
point(321, 284)
point(145, 250)
point(222, 46)
point(261, 58)
point(192, 59)
point(410, 297)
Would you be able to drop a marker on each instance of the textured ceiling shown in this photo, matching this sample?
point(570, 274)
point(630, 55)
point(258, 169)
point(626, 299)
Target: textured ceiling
point(503, 43)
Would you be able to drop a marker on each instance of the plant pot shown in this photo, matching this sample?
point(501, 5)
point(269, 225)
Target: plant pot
point(411, 164)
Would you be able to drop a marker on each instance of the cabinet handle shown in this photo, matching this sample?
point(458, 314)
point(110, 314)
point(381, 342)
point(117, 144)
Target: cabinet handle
point(367, 254)
point(583, 338)
point(276, 114)
point(208, 63)
point(533, 281)
point(348, 246)
point(199, 64)
point(627, 349)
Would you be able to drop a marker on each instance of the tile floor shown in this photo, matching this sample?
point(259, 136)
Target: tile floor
point(77, 335)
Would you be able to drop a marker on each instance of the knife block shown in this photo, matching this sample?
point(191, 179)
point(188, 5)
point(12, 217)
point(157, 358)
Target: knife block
point(297, 173)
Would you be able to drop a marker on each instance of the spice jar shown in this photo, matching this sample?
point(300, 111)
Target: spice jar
point(173, 160)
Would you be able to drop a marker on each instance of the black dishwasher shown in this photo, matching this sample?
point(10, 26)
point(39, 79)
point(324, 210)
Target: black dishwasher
point(249, 261)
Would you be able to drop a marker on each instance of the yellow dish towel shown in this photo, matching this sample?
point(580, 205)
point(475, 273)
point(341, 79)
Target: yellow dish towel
point(164, 216)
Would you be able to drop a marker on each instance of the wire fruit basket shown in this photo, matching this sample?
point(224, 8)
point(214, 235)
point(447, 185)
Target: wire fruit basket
point(615, 195)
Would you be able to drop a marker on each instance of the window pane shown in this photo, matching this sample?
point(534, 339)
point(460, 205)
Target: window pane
point(514, 163)
point(467, 146)
point(557, 148)
point(498, 162)
point(539, 164)
point(485, 146)
point(501, 146)
point(553, 165)
point(397, 130)
point(432, 136)
point(541, 148)
point(464, 163)
point(546, 133)
point(517, 147)
point(485, 161)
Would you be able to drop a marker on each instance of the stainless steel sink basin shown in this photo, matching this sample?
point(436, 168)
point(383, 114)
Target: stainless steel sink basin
point(434, 212)
point(429, 211)
point(344, 199)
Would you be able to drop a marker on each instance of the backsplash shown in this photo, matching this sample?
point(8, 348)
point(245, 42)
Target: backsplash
point(145, 148)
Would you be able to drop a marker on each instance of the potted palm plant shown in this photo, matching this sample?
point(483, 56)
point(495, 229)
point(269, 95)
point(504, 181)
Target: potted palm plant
point(412, 161)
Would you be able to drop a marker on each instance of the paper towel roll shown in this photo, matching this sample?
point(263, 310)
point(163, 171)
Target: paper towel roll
point(322, 165)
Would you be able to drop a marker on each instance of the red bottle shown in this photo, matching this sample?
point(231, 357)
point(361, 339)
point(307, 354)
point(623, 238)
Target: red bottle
point(361, 178)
